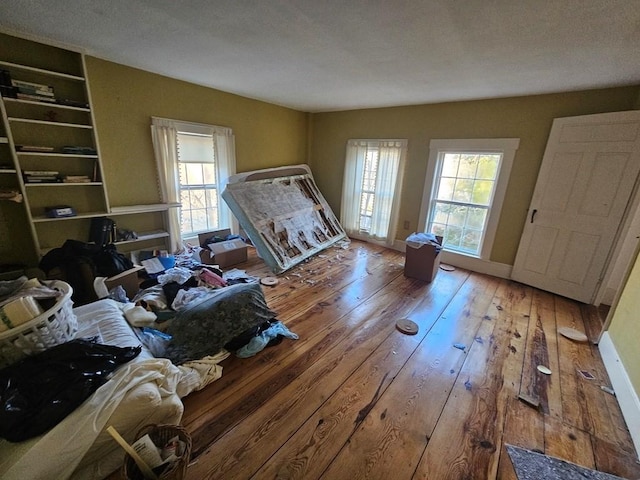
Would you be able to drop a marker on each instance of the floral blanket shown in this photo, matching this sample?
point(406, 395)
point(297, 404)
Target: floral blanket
point(204, 326)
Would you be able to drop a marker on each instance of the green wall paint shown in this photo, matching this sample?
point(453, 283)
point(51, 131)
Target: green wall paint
point(625, 327)
point(527, 118)
point(124, 100)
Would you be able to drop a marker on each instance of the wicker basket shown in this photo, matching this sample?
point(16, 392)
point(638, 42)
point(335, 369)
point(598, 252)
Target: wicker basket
point(160, 435)
point(53, 327)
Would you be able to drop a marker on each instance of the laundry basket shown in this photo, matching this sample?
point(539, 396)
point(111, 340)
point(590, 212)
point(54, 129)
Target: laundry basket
point(160, 435)
point(53, 327)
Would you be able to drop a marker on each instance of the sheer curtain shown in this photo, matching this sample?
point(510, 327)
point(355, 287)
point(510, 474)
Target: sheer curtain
point(163, 134)
point(225, 151)
point(388, 180)
point(165, 144)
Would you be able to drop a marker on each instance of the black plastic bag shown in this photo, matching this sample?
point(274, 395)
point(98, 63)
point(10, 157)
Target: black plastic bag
point(73, 263)
point(110, 262)
point(40, 391)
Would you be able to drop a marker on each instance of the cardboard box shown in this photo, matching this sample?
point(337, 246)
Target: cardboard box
point(224, 253)
point(128, 279)
point(422, 262)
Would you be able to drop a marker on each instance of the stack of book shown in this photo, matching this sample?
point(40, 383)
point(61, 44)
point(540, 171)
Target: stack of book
point(33, 91)
point(76, 179)
point(41, 176)
point(72, 149)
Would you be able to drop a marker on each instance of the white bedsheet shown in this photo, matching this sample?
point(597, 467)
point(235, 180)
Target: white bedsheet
point(72, 438)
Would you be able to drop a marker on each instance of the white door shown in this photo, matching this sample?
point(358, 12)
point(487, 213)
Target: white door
point(588, 173)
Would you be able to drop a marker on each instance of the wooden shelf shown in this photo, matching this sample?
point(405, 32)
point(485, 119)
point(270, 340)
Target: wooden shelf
point(47, 122)
point(133, 209)
point(34, 121)
point(143, 236)
point(80, 216)
point(41, 71)
point(63, 184)
point(46, 104)
point(55, 154)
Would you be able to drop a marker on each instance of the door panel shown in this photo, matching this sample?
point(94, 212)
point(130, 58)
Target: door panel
point(586, 180)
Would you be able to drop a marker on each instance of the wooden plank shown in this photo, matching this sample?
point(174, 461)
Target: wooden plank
point(245, 447)
point(238, 373)
point(592, 322)
point(541, 349)
point(431, 366)
point(567, 442)
point(585, 405)
point(574, 402)
point(257, 385)
point(467, 438)
point(524, 427)
point(612, 459)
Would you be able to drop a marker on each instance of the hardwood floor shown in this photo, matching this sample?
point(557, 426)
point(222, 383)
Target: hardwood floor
point(355, 398)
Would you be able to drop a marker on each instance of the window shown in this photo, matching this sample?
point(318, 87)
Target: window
point(373, 175)
point(199, 192)
point(194, 161)
point(467, 181)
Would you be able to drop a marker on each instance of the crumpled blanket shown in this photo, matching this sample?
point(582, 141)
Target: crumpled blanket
point(73, 438)
point(205, 325)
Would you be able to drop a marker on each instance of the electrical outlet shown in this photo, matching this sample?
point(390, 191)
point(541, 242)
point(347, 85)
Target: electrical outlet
point(406, 225)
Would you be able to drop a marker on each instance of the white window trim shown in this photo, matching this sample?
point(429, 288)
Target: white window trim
point(168, 192)
point(506, 146)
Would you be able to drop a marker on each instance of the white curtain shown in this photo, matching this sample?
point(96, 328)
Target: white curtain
point(163, 134)
point(389, 173)
point(225, 151)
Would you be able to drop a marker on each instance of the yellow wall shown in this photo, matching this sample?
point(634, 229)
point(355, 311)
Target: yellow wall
point(527, 118)
point(125, 99)
point(625, 327)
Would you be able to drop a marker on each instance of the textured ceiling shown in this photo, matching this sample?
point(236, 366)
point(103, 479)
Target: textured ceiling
point(317, 55)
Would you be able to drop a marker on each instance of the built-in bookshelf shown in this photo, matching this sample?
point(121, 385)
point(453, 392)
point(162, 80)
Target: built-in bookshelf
point(49, 151)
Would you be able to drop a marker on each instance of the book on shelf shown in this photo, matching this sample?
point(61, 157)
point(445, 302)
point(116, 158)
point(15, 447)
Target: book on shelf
point(36, 98)
point(42, 178)
point(72, 103)
point(76, 179)
point(34, 148)
point(38, 87)
point(40, 173)
point(79, 150)
point(31, 91)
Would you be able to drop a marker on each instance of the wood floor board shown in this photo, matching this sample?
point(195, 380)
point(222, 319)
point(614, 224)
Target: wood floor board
point(228, 411)
point(244, 448)
point(524, 427)
point(394, 434)
point(541, 349)
point(568, 442)
point(612, 459)
point(467, 438)
point(575, 407)
point(355, 398)
point(326, 312)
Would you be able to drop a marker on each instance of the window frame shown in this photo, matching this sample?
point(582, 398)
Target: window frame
point(197, 130)
point(168, 170)
point(437, 148)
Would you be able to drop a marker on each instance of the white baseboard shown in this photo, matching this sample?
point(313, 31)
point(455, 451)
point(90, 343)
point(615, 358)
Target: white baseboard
point(621, 383)
point(608, 296)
